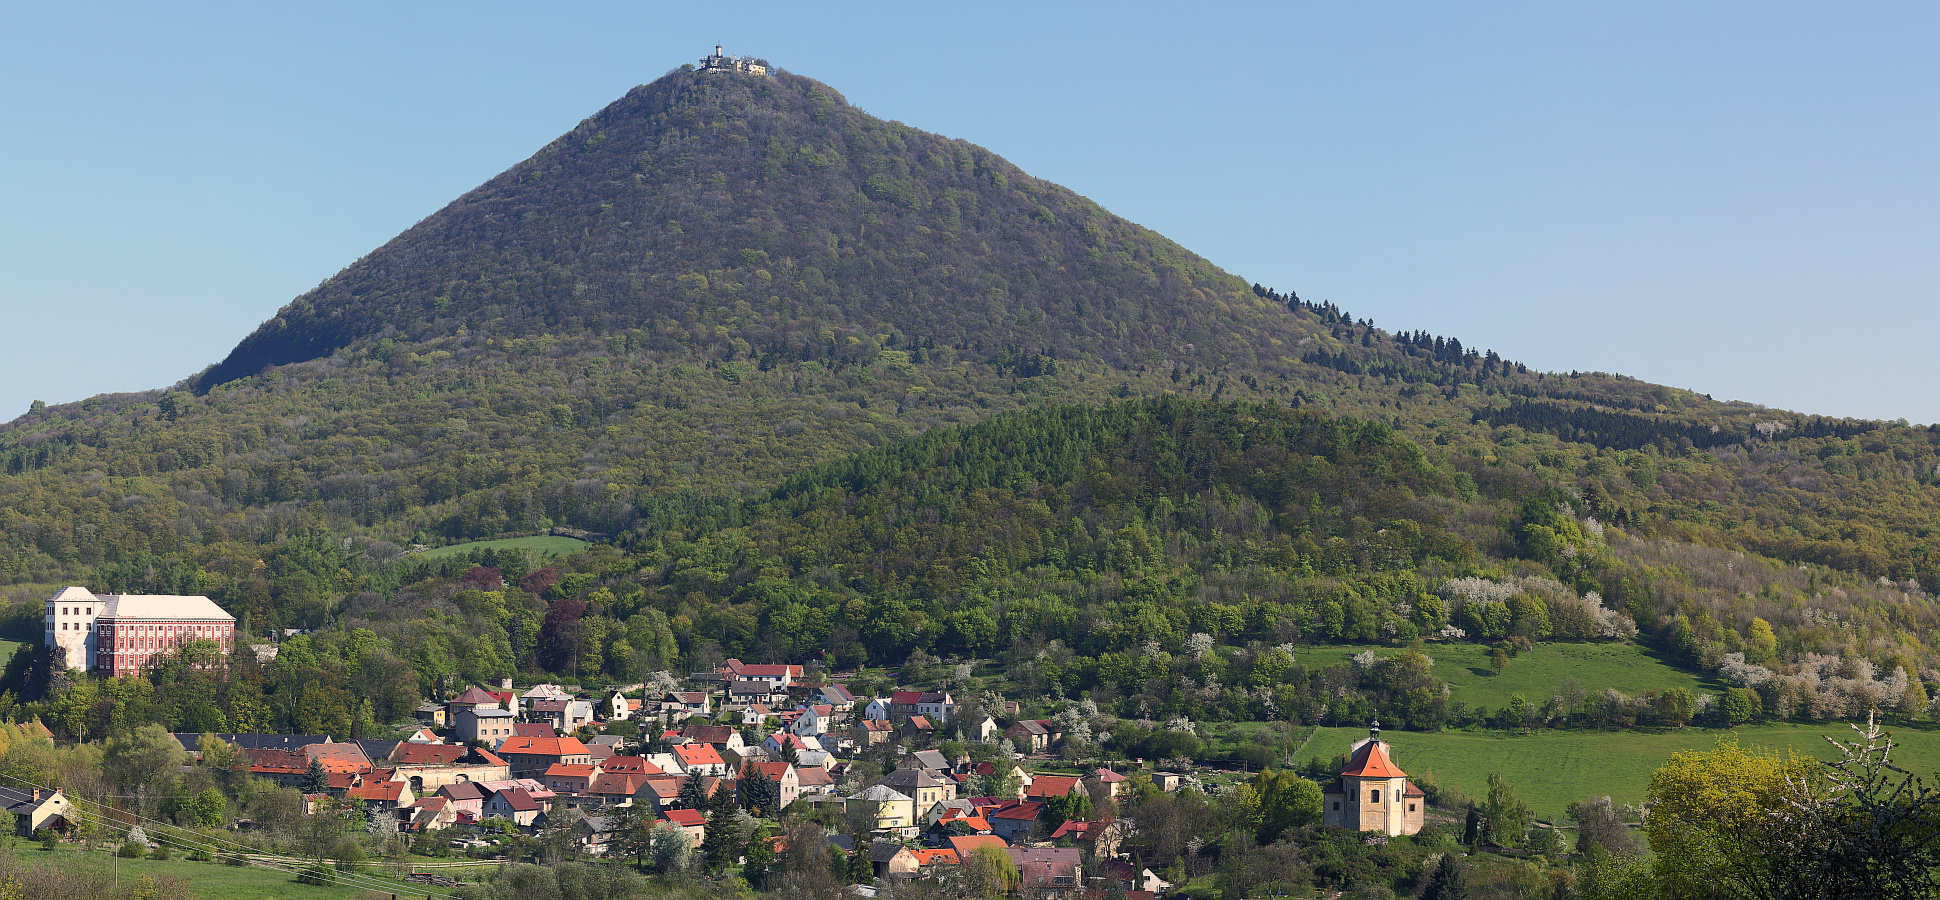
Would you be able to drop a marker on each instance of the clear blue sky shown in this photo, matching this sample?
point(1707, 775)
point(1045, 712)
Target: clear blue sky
point(1742, 199)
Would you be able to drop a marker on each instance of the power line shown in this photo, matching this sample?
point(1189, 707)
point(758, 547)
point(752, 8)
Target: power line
point(235, 848)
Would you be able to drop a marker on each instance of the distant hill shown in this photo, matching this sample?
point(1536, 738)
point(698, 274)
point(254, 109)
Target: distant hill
point(721, 280)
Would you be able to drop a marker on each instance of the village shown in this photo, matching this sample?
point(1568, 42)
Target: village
point(914, 782)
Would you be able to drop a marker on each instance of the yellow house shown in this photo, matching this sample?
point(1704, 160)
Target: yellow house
point(895, 811)
point(1373, 794)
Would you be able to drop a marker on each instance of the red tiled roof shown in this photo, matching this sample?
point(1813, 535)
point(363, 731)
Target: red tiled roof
point(392, 791)
point(685, 817)
point(531, 729)
point(1371, 761)
point(1052, 786)
point(546, 746)
point(617, 784)
point(629, 765)
point(569, 770)
point(1072, 829)
point(697, 755)
point(968, 843)
point(1022, 810)
point(770, 671)
point(774, 770)
point(428, 754)
point(932, 857)
point(519, 800)
point(473, 696)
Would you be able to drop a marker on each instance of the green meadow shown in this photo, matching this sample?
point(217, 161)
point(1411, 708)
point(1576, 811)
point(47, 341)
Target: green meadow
point(1537, 673)
point(214, 881)
point(1550, 769)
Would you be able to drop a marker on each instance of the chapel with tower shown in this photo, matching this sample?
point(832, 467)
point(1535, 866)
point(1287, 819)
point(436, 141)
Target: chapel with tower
point(1372, 793)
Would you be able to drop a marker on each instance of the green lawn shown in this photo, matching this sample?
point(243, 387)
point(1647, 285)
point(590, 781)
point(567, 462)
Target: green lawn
point(214, 881)
point(1551, 769)
point(540, 546)
point(1537, 673)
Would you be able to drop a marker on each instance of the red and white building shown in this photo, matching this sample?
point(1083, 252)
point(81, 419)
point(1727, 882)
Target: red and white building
point(119, 634)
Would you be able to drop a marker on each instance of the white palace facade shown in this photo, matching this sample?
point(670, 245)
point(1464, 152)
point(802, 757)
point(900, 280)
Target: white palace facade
point(118, 634)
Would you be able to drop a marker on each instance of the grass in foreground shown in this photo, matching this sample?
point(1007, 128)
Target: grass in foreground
point(1551, 769)
point(214, 881)
point(541, 547)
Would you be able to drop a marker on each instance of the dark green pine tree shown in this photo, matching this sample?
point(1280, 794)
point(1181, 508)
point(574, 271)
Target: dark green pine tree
point(316, 781)
point(690, 796)
point(1447, 881)
point(723, 841)
point(1472, 830)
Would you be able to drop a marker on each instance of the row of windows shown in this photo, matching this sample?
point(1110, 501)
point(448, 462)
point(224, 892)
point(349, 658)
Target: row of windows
point(77, 610)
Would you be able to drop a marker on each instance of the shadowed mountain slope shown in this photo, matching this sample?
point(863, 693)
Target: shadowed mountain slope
point(748, 215)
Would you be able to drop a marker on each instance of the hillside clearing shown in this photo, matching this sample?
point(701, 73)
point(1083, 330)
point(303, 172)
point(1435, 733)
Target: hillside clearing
point(541, 547)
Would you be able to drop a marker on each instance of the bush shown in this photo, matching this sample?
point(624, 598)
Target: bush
point(200, 855)
point(159, 851)
point(234, 859)
point(131, 850)
point(317, 874)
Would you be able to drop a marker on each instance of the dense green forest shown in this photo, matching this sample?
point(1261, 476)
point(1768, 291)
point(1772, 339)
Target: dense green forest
point(1162, 559)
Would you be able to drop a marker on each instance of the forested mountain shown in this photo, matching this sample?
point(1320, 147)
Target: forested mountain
point(722, 280)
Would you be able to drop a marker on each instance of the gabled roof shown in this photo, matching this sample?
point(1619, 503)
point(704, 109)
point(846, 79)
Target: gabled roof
point(377, 749)
point(875, 725)
point(967, 844)
point(629, 765)
point(472, 696)
point(814, 776)
point(1072, 829)
point(906, 780)
point(751, 688)
point(1371, 761)
point(881, 794)
point(428, 754)
point(921, 723)
point(908, 697)
point(686, 818)
point(768, 671)
point(618, 784)
point(884, 851)
point(708, 734)
point(837, 693)
point(1021, 810)
point(698, 755)
point(945, 856)
point(1053, 786)
point(933, 760)
point(392, 791)
point(1108, 776)
point(463, 790)
point(776, 771)
point(532, 729)
point(542, 746)
point(519, 800)
point(569, 770)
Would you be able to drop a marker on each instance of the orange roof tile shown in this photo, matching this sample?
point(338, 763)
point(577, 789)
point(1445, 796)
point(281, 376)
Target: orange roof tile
point(1371, 761)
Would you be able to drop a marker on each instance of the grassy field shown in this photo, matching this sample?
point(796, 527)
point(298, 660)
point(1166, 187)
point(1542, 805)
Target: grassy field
point(214, 881)
point(1535, 673)
point(1551, 769)
point(540, 546)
